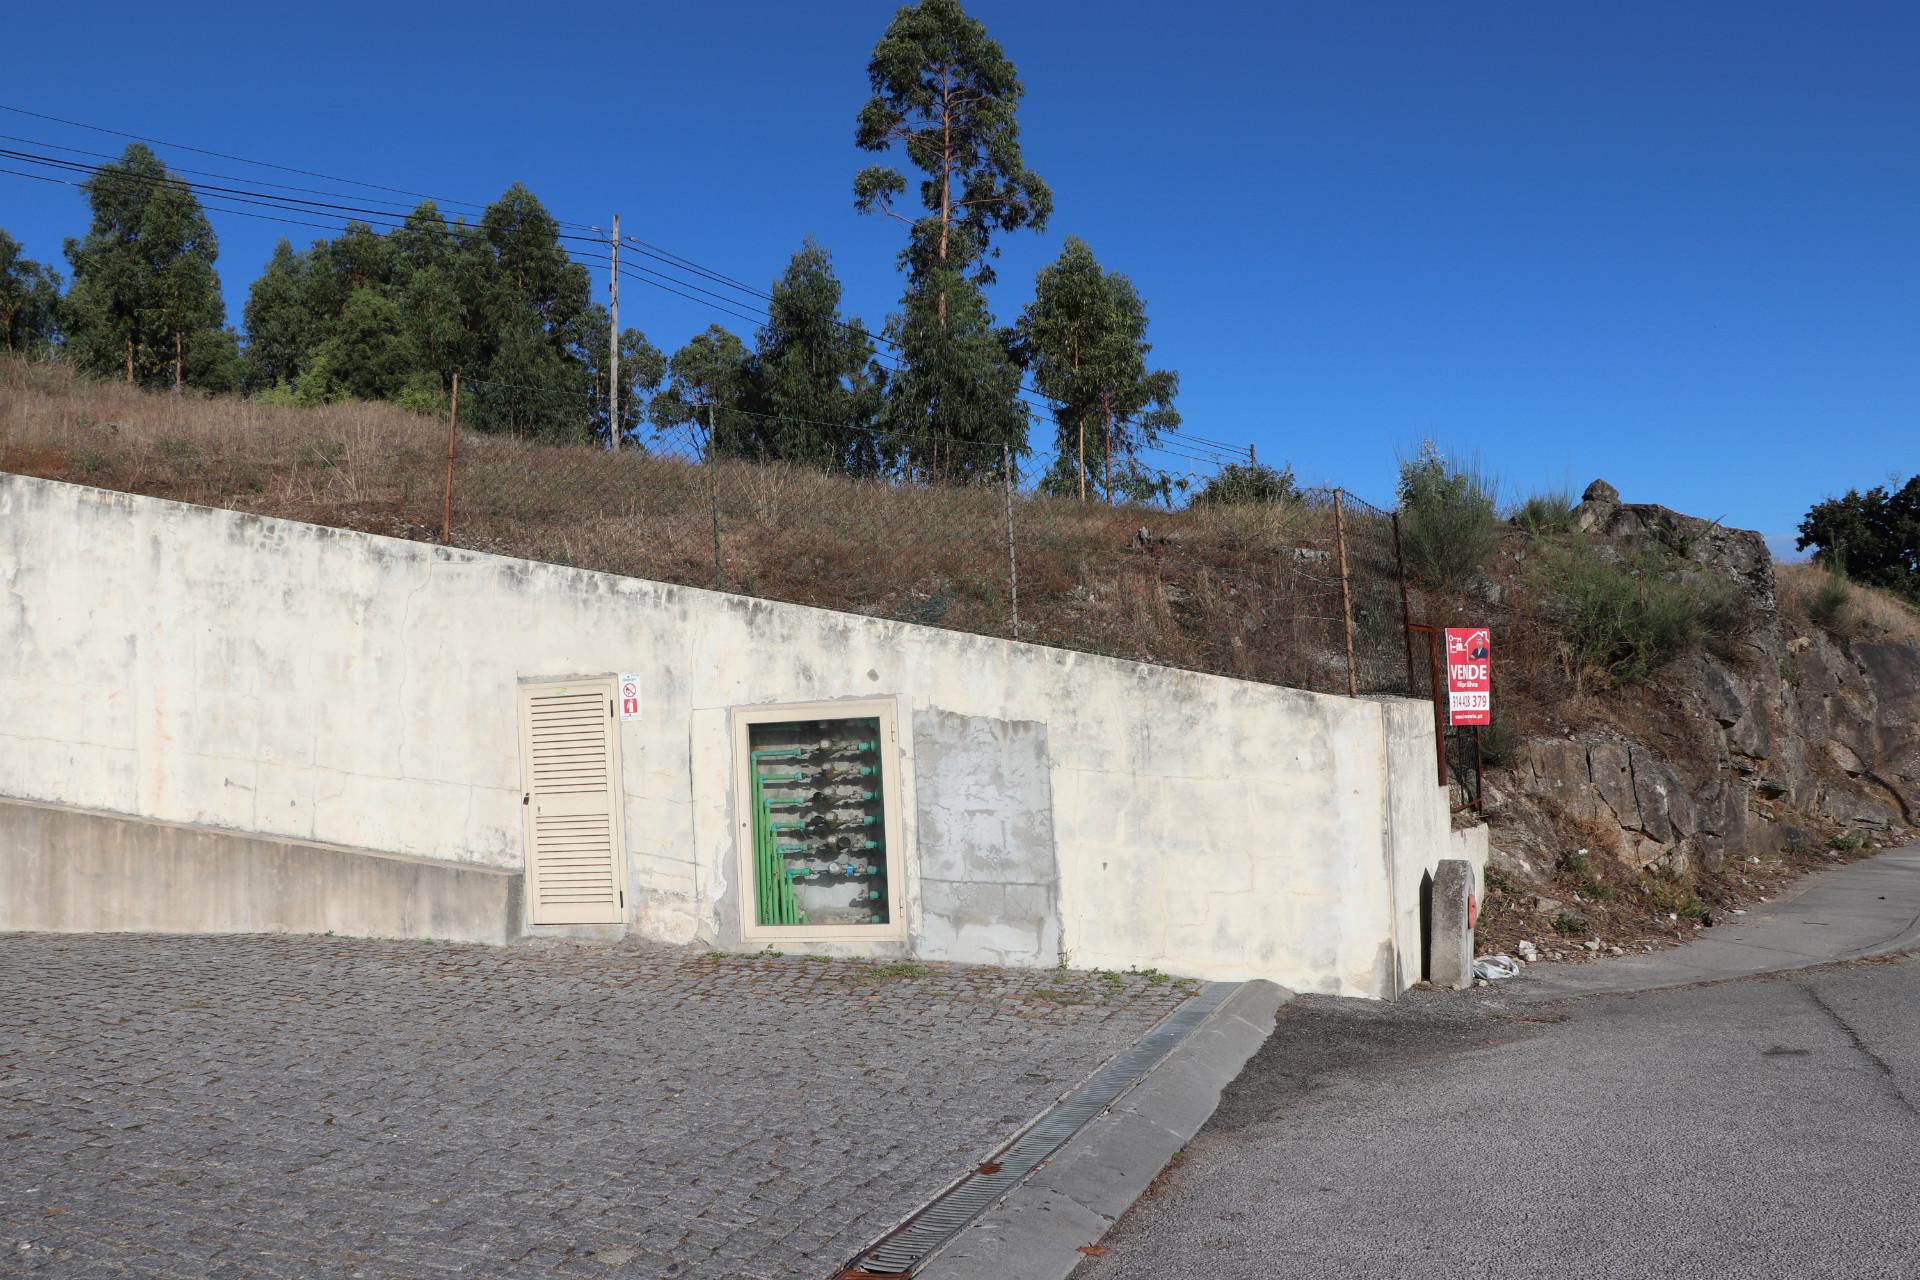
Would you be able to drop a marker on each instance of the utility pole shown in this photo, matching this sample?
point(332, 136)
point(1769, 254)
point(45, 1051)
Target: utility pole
point(613, 341)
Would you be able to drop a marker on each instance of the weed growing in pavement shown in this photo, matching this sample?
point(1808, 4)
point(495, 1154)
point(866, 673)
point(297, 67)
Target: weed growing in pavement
point(893, 971)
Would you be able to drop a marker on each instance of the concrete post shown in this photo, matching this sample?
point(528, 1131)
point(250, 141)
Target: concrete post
point(1450, 944)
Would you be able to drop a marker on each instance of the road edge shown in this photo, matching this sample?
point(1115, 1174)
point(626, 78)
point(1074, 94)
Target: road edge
point(1038, 1229)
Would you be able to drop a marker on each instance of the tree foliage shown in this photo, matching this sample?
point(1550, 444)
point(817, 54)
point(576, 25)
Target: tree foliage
point(1873, 536)
point(145, 302)
point(945, 93)
point(29, 302)
point(392, 317)
point(954, 410)
point(1084, 336)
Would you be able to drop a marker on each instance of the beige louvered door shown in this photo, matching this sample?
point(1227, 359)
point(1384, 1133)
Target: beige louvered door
point(569, 750)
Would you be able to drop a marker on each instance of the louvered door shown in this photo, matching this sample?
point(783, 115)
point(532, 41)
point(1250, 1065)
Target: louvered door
point(569, 750)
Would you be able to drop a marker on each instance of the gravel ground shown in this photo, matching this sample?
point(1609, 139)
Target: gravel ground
point(299, 1106)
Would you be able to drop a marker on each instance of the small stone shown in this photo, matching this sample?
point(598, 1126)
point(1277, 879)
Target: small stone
point(1479, 982)
point(1591, 944)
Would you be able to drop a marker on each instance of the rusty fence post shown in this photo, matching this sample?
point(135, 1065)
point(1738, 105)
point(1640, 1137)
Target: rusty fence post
point(1346, 588)
point(1406, 610)
point(446, 503)
point(713, 496)
point(1013, 564)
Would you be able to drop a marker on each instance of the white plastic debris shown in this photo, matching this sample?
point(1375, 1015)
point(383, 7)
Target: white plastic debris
point(1493, 968)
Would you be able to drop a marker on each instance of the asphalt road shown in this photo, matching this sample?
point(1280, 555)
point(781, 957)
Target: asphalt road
point(1759, 1128)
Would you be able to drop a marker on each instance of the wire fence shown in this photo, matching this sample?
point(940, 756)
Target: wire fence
point(1300, 589)
point(1293, 587)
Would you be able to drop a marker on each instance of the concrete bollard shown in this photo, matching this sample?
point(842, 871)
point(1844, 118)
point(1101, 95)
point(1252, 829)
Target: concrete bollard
point(1450, 944)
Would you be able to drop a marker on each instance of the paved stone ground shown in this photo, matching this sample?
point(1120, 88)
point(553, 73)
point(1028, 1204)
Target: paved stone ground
point(300, 1106)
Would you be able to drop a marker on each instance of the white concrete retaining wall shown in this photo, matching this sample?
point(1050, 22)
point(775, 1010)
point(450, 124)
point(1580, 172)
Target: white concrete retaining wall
point(207, 667)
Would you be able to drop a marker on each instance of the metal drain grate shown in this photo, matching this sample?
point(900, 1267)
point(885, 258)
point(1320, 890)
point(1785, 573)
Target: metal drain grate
point(940, 1219)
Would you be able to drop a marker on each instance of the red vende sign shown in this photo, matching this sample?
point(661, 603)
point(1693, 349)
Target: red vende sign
point(1469, 675)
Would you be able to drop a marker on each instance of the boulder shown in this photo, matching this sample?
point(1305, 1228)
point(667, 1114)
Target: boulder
point(1613, 780)
point(1666, 811)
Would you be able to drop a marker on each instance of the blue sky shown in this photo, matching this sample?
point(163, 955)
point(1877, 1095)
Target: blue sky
point(1677, 246)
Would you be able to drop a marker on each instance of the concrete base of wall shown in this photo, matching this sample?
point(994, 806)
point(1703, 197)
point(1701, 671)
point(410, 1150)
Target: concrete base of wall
point(79, 871)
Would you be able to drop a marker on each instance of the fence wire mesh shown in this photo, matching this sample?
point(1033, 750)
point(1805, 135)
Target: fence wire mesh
point(922, 529)
point(958, 534)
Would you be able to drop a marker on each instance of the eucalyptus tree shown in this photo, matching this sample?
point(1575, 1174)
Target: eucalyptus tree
point(146, 300)
point(707, 382)
point(29, 302)
point(815, 375)
point(1084, 336)
point(945, 93)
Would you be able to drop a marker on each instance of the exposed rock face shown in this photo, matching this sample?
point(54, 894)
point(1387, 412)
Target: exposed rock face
point(1795, 738)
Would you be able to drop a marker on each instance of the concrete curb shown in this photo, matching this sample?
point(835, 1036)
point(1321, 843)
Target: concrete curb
point(1037, 1230)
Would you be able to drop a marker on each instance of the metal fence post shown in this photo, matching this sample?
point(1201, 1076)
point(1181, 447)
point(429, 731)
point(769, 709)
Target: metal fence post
point(713, 498)
point(453, 424)
point(1013, 564)
point(1406, 610)
point(1346, 588)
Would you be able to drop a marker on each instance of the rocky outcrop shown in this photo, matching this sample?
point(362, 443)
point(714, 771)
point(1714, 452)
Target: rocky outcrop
point(1789, 736)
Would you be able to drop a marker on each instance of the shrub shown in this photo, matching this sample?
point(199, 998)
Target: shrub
point(1831, 606)
point(1622, 620)
point(1546, 511)
point(1500, 741)
point(1447, 520)
point(1251, 482)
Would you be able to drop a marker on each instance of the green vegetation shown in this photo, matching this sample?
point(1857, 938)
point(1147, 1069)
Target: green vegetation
point(1084, 336)
point(1545, 512)
point(1622, 618)
point(1253, 482)
point(1567, 924)
point(1831, 606)
point(1874, 535)
point(1500, 741)
point(29, 302)
point(1673, 895)
point(1447, 519)
point(1579, 868)
point(145, 303)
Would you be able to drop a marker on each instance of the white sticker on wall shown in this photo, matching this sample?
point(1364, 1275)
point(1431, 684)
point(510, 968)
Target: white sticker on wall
point(629, 697)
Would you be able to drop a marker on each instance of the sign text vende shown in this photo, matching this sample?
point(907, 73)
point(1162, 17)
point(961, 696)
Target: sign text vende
point(1469, 676)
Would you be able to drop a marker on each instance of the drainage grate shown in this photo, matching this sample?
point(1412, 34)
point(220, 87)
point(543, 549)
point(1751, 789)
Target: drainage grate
point(940, 1219)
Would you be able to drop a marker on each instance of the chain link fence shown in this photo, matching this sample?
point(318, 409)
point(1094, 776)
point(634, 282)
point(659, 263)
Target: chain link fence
point(1302, 590)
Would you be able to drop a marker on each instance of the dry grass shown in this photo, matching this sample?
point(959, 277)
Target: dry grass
point(1871, 610)
point(1244, 591)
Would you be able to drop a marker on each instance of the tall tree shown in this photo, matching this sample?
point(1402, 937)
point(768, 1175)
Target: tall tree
point(945, 92)
point(146, 299)
point(955, 405)
point(1873, 536)
point(814, 374)
point(708, 381)
point(1084, 335)
point(29, 302)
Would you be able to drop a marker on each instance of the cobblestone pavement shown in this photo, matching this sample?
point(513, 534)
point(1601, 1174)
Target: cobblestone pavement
point(301, 1106)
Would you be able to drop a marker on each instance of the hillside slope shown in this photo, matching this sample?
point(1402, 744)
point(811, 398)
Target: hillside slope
point(1633, 812)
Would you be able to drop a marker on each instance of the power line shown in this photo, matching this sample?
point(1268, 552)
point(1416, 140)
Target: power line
point(1031, 397)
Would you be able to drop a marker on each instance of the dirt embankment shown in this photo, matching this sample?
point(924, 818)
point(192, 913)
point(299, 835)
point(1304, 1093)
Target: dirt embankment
point(1625, 815)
